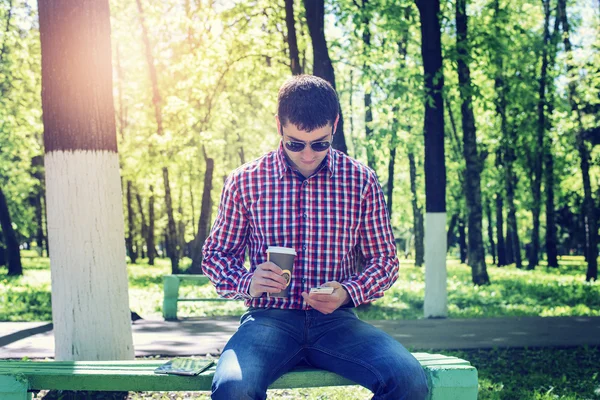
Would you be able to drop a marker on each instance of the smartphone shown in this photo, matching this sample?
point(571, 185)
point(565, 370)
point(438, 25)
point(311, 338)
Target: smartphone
point(322, 290)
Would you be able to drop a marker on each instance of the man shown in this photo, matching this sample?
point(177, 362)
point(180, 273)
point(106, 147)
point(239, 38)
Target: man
point(331, 210)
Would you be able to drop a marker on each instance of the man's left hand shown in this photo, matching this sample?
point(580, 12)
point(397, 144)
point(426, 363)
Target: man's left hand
point(328, 303)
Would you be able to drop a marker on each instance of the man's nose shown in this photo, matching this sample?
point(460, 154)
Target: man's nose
point(307, 150)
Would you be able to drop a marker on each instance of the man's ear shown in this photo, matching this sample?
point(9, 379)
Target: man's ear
point(337, 119)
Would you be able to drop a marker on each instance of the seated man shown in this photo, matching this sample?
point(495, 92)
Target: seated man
point(330, 209)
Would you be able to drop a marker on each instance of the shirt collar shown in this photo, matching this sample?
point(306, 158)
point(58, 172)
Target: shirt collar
point(284, 166)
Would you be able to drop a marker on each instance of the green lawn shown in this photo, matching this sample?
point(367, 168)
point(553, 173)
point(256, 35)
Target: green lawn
point(542, 292)
point(504, 373)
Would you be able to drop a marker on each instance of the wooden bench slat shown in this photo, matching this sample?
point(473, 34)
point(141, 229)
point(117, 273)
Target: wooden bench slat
point(153, 363)
point(448, 377)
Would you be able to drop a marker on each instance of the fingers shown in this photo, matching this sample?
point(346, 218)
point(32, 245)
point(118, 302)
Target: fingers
point(267, 278)
point(325, 303)
point(272, 272)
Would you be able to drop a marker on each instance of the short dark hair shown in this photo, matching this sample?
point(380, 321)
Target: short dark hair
point(308, 102)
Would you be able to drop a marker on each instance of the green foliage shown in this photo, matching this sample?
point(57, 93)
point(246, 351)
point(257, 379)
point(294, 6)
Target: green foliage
point(219, 66)
point(20, 111)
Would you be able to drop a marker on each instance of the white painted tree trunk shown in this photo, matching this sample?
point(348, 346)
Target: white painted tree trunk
point(90, 303)
point(436, 299)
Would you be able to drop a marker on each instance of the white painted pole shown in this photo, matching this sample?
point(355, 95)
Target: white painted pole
point(90, 303)
point(436, 299)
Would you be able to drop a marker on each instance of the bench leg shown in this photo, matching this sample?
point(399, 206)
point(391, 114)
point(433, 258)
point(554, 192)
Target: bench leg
point(171, 293)
point(12, 388)
point(457, 383)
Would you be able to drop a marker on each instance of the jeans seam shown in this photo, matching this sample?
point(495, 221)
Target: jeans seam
point(353, 360)
point(276, 370)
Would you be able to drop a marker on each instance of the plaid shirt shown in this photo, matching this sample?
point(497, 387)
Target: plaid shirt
point(335, 220)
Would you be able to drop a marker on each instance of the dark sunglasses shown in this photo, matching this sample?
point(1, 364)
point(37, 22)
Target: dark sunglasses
point(297, 147)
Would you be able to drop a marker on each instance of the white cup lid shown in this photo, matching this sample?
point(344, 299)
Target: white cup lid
point(282, 250)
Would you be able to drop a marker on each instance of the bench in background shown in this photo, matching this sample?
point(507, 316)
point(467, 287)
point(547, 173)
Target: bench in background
point(449, 378)
point(171, 293)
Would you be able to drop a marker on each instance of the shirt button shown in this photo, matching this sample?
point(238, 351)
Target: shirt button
point(303, 280)
point(305, 183)
point(304, 247)
point(305, 215)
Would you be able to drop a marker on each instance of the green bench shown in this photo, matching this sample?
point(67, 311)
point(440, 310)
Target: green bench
point(171, 293)
point(448, 377)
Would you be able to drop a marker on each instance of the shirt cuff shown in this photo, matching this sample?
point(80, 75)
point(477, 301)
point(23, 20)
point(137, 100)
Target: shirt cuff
point(355, 291)
point(244, 285)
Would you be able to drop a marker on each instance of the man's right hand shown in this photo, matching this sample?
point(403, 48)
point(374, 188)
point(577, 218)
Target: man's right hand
point(267, 278)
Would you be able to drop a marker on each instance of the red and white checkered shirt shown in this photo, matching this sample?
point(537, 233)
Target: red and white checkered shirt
point(330, 219)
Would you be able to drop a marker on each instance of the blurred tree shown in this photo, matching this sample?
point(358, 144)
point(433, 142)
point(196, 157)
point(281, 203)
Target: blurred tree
point(322, 67)
point(474, 159)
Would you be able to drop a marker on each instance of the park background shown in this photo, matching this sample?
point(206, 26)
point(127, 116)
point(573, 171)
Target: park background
point(194, 86)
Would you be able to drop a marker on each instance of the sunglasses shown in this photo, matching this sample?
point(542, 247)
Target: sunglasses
point(297, 147)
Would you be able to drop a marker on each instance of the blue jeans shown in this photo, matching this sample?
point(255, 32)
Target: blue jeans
point(270, 342)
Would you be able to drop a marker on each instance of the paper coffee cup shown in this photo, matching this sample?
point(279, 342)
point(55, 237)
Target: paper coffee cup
point(283, 257)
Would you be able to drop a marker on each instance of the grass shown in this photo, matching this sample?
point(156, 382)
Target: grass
point(529, 374)
point(513, 293)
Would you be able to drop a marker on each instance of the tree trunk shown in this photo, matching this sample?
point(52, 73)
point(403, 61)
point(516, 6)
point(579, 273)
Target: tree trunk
point(39, 231)
point(532, 253)
point(130, 227)
point(417, 212)
point(540, 146)
point(150, 242)
point(488, 210)
point(144, 227)
point(2, 251)
point(322, 67)
point(37, 166)
point(391, 166)
point(589, 211)
point(291, 38)
point(462, 240)
point(90, 302)
point(351, 121)
point(473, 159)
point(181, 226)
point(512, 233)
point(513, 254)
point(13, 258)
point(172, 242)
point(395, 125)
point(205, 216)
point(367, 101)
point(174, 250)
point(551, 236)
point(450, 240)
point(435, 304)
point(501, 247)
